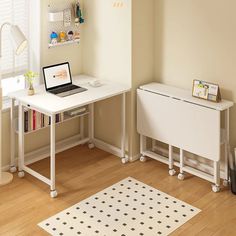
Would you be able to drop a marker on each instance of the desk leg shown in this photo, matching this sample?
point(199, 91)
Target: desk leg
point(21, 159)
point(226, 180)
point(81, 124)
point(13, 166)
point(171, 161)
point(216, 187)
point(52, 157)
point(123, 129)
point(143, 147)
point(91, 126)
point(181, 174)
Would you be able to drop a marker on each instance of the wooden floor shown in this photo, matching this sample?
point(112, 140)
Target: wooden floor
point(82, 172)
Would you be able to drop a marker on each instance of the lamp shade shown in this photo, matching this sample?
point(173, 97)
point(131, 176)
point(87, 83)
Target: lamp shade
point(18, 39)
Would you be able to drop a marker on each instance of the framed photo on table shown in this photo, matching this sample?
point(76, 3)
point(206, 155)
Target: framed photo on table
point(207, 91)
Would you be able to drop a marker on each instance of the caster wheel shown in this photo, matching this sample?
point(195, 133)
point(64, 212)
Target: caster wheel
point(125, 160)
point(21, 174)
point(225, 183)
point(172, 172)
point(215, 188)
point(12, 169)
point(181, 176)
point(53, 194)
point(91, 145)
point(143, 159)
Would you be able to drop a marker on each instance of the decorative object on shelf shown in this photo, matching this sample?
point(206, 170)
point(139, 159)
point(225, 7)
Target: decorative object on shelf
point(78, 13)
point(76, 35)
point(67, 17)
point(207, 91)
point(62, 36)
point(54, 38)
point(19, 43)
point(62, 29)
point(55, 16)
point(70, 35)
point(30, 77)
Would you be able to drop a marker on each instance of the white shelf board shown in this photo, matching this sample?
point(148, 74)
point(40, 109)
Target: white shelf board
point(66, 119)
point(64, 43)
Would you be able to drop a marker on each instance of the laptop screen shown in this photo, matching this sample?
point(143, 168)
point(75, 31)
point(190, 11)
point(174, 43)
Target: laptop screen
point(57, 75)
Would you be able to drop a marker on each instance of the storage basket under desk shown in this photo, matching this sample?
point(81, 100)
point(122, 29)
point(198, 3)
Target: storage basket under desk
point(174, 117)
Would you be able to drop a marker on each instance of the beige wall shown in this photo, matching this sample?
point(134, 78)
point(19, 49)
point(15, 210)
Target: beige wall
point(142, 58)
point(107, 55)
point(196, 40)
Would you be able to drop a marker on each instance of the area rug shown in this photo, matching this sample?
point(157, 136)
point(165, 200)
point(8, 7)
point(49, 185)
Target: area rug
point(128, 208)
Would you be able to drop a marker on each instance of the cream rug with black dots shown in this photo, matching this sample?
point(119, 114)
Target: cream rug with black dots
point(128, 208)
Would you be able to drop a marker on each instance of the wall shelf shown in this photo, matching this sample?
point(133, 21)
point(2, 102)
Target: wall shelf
point(64, 43)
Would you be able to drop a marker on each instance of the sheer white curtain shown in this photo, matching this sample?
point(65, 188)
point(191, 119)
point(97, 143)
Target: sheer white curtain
point(15, 12)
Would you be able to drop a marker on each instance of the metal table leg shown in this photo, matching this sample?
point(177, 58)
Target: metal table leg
point(52, 157)
point(123, 129)
point(226, 179)
point(21, 136)
point(91, 126)
point(13, 165)
point(181, 174)
point(171, 161)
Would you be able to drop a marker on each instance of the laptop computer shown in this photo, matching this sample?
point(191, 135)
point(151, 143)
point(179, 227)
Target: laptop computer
point(58, 80)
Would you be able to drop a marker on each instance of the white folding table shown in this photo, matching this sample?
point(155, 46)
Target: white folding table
point(51, 105)
point(172, 116)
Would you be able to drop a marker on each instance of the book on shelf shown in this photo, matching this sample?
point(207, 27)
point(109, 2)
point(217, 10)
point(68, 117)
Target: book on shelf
point(34, 120)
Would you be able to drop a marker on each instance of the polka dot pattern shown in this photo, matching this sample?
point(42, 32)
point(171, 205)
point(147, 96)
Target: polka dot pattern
point(128, 208)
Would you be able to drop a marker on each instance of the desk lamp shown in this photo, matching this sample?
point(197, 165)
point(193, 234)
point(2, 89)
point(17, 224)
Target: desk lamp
point(19, 43)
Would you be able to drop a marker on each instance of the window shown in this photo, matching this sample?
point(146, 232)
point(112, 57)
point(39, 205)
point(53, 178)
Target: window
point(13, 67)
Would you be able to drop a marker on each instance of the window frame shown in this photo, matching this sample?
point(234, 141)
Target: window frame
point(34, 43)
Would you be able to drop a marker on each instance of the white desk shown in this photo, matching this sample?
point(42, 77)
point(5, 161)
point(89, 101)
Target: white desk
point(51, 105)
point(172, 116)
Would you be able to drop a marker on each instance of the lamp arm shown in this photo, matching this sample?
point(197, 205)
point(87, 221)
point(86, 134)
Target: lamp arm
point(2, 26)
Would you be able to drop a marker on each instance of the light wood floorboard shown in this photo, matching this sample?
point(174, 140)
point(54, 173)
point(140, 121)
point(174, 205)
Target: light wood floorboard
point(81, 172)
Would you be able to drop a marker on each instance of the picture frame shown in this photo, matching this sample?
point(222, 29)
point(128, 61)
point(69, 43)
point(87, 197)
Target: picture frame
point(207, 91)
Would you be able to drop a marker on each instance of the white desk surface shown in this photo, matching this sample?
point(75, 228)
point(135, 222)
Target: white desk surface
point(53, 104)
point(185, 95)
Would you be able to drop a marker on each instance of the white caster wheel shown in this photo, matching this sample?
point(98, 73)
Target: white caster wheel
point(172, 172)
point(91, 145)
point(125, 160)
point(143, 159)
point(12, 169)
point(53, 194)
point(21, 174)
point(215, 188)
point(181, 176)
point(225, 183)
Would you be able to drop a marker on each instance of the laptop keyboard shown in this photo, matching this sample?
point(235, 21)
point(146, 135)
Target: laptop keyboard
point(67, 88)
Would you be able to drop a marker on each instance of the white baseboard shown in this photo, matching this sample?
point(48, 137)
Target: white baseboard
point(107, 147)
point(63, 145)
point(43, 152)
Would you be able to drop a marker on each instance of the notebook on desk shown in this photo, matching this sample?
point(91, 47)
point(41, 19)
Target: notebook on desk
point(58, 80)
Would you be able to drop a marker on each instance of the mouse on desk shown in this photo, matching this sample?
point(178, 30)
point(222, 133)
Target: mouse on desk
point(95, 83)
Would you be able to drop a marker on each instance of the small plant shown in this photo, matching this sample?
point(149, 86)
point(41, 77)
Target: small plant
point(30, 77)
